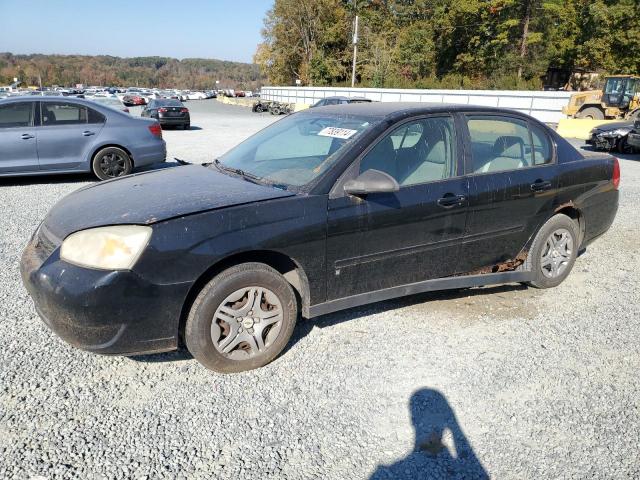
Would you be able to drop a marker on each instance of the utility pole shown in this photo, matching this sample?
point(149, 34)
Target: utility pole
point(355, 52)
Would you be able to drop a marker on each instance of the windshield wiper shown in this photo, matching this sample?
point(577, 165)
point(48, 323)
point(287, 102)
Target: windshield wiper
point(249, 177)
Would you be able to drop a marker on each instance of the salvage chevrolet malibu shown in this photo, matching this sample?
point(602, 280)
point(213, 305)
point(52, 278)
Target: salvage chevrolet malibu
point(324, 210)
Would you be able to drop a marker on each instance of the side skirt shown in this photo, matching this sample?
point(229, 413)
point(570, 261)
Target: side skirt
point(419, 287)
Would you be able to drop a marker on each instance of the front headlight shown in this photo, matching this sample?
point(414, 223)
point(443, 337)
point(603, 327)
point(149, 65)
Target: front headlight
point(108, 248)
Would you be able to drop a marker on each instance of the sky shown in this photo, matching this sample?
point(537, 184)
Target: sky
point(222, 29)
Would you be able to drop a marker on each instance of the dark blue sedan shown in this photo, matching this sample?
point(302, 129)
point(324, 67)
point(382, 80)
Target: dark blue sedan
point(46, 135)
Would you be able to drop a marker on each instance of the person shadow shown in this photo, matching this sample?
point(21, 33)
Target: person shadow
point(437, 432)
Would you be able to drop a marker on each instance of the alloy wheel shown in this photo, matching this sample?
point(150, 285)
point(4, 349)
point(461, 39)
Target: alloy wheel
point(112, 165)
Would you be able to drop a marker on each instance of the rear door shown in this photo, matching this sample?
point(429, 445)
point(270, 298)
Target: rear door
point(66, 134)
point(512, 187)
point(18, 152)
point(389, 239)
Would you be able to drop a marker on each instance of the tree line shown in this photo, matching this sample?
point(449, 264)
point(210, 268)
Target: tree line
point(160, 72)
point(509, 44)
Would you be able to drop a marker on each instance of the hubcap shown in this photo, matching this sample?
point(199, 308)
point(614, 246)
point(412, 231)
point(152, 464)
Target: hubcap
point(247, 323)
point(556, 253)
point(112, 165)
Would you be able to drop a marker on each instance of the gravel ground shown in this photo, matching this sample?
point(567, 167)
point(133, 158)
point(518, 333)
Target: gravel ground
point(525, 383)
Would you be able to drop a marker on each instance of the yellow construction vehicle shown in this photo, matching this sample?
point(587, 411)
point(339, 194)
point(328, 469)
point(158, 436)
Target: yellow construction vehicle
point(620, 98)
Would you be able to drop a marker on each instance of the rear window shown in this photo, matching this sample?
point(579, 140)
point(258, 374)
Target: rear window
point(168, 103)
point(16, 115)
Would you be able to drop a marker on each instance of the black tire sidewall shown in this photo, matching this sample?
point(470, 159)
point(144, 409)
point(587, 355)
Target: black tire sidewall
point(95, 162)
point(198, 326)
point(553, 224)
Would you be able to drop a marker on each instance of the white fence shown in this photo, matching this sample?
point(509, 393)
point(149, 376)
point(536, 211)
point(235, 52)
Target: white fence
point(545, 106)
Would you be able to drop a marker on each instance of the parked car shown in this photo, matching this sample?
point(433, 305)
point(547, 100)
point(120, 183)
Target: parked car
point(633, 139)
point(113, 102)
point(324, 210)
point(612, 136)
point(168, 112)
point(239, 93)
point(340, 101)
point(131, 100)
point(43, 135)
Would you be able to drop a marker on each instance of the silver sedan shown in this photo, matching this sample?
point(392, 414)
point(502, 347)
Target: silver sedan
point(46, 135)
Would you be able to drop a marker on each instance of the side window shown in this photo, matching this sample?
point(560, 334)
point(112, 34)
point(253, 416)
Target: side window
point(94, 116)
point(61, 113)
point(542, 150)
point(417, 152)
point(16, 115)
point(499, 144)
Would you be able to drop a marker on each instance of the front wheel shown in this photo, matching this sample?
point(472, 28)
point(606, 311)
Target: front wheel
point(553, 252)
point(624, 147)
point(111, 162)
point(242, 319)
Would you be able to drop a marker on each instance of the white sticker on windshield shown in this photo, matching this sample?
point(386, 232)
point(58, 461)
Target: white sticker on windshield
point(336, 132)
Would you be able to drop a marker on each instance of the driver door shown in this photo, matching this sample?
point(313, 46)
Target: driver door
point(383, 240)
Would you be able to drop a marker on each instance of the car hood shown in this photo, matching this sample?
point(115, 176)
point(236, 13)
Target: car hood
point(152, 197)
point(609, 127)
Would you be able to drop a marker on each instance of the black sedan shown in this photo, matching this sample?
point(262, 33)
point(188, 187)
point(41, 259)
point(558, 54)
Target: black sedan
point(168, 112)
point(327, 209)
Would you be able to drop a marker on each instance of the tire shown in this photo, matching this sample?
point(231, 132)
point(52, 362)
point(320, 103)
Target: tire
point(592, 113)
point(624, 147)
point(111, 162)
point(237, 335)
point(258, 108)
point(186, 126)
point(548, 260)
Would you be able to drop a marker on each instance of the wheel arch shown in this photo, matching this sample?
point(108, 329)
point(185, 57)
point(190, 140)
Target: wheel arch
point(570, 210)
point(290, 269)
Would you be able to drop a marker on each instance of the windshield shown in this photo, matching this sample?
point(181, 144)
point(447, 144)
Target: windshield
point(615, 86)
point(296, 150)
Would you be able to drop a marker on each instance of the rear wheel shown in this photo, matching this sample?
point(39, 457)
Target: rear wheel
point(242, 319)
point(111, 162)
point(553, 252)
point(592, 113)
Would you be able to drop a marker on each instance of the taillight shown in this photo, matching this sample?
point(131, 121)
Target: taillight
point(184, 110)
point(156, 130)
point(162, 110)
point(616, 173)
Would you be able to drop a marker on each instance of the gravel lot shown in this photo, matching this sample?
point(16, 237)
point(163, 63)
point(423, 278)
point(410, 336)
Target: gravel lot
point(526, 383)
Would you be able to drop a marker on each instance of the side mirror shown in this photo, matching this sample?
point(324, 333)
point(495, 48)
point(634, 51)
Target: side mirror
point(371, 181)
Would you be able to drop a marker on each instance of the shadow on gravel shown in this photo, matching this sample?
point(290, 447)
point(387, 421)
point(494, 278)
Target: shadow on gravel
point(441, 450)
point(304, 326)
point(193, 127)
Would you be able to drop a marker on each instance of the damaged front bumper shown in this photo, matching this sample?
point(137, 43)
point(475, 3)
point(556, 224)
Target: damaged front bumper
point(107, 312)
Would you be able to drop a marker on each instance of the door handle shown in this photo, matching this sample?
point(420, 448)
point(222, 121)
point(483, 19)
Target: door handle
point(27, 136)
point(88, 133)
point(450, 200)
point(541, 185)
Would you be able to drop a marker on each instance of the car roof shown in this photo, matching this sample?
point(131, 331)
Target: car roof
point(393, 109)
